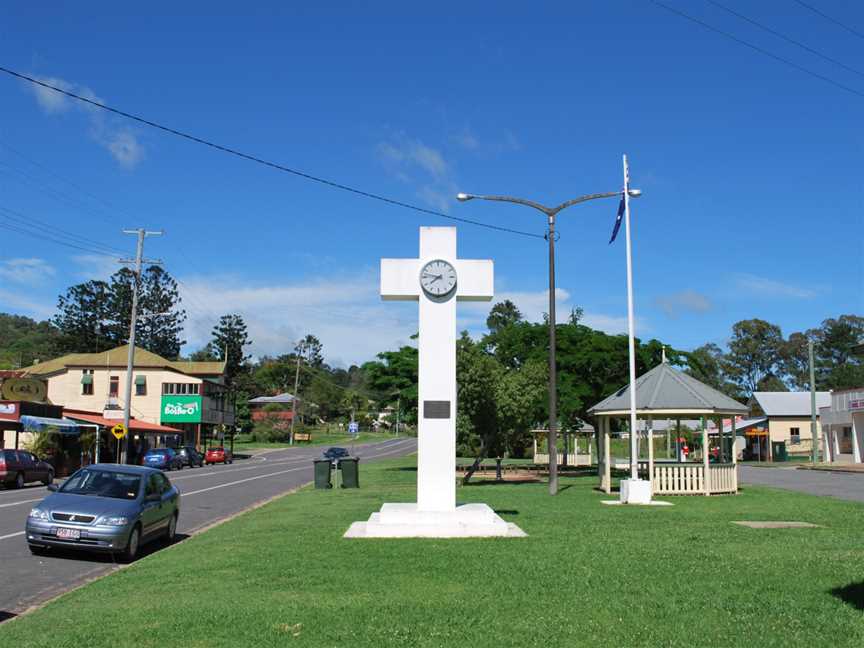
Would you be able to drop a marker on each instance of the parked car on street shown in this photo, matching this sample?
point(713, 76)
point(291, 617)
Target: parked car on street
point(335, 454)
point(162, 458)
point(218, 455)
point(19, 467)
point(190, 456)
point(105, 507)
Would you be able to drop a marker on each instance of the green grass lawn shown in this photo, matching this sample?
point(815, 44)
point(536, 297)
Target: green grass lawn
point(318, 438)
point(587, 574)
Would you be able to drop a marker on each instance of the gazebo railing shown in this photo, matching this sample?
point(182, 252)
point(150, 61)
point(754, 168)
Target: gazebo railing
point(573, 459)
point(688, 478)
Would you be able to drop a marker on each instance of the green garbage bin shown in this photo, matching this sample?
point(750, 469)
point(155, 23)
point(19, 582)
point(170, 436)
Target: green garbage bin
point(350, 467)
point(778, 451)
point(322, 473)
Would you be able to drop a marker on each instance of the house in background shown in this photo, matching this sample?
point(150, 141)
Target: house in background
point(843, 427)
point(785, 416)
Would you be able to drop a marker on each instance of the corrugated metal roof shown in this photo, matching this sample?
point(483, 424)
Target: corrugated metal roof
point(279, 398)
point(118, 357)
point(789, 403)
point(665, 388)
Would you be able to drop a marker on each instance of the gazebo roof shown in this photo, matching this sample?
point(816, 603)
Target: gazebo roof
point(665, 391)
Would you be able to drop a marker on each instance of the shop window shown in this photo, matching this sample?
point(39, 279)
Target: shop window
point(114, 387)
point(795, 435)
point(87, 382)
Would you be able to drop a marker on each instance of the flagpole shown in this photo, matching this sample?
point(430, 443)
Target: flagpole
point(634, 459)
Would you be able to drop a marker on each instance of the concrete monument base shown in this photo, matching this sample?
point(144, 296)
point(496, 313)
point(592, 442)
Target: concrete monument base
point(406, 521)
point(635, 491)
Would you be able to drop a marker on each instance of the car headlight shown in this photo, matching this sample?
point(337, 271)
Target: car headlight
point(115, 520)
point(38, 514)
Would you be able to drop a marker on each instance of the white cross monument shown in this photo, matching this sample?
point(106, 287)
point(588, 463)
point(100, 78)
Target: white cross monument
point(437, 280)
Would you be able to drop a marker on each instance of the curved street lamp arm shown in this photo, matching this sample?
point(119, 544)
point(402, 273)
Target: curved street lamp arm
point(582, 199)
point(519, 201)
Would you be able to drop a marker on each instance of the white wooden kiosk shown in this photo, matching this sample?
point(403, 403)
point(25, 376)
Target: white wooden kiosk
point(665, 393)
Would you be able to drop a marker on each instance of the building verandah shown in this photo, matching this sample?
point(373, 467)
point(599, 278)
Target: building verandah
point(665, 393)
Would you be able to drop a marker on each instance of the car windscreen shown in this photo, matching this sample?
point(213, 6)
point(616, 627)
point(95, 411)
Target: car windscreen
point(103, 483)
point(157, 452)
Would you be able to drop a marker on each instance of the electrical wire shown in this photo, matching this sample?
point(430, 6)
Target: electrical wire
point(14, 228)
point(273, 165)
point(34, 223)
point(788, 39)
point(830, 19)
point(754, 47)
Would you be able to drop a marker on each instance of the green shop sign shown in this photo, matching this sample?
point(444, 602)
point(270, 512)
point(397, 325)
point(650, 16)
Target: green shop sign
point(181, 409)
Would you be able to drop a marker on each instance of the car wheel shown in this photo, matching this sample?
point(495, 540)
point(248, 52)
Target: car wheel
point(49, 479)
point(172, 529)
point(19, 480)
point(131, 551)
point(36, 550)
point(230, 461)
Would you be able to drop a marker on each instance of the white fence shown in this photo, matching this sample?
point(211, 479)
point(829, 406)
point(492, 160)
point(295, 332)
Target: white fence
point(673, 478)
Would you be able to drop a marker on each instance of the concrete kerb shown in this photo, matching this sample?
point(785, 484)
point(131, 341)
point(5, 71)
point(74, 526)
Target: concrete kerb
point(118, 566)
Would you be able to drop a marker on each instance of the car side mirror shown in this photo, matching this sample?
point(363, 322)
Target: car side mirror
point(153, 497)
point(52, 487)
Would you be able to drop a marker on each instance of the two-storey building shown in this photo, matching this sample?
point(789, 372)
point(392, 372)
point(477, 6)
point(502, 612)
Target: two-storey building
point(185, 395)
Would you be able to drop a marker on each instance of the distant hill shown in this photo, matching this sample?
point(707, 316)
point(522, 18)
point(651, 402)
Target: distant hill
point(24, 340)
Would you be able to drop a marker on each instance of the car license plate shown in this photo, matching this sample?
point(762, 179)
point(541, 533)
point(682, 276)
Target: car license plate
point(69, 534)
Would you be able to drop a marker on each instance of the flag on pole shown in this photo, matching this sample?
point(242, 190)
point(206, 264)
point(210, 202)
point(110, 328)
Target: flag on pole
point(617, 220)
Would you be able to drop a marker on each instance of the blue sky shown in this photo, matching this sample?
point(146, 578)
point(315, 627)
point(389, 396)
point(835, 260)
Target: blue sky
point(751, 171)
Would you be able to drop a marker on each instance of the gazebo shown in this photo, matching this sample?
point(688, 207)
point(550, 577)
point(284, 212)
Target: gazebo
point(665, 393)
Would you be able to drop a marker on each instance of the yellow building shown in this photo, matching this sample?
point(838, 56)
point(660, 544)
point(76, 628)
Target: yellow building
point(190, 396)
point(787, 417)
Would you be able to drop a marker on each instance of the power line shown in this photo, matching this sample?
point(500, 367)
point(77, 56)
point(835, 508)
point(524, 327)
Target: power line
point(34, 223)
point(258, 160)
point(788, 39)
point(830, 19)
point(753, 47)
point(15, 225)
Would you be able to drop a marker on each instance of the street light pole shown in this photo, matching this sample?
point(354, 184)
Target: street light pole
point(551, 213)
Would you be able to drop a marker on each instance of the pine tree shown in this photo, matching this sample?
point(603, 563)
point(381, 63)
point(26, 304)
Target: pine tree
point(230, 337)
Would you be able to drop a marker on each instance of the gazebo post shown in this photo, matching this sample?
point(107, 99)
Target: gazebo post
point(706, 482)
point(650, 430)
point(607, 472)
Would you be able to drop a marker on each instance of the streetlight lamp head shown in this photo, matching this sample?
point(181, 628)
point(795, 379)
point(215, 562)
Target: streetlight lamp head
point(635, 193)
point(462, 197)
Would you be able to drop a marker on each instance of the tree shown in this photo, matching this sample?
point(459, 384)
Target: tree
point(24, 341)
point(502, 315)
point(707, 364)
point(393, 377)
point(755, 350)
point(230, 338)
point(161, 324)
point(309, 348)
point(84, 319)
point(837, 366)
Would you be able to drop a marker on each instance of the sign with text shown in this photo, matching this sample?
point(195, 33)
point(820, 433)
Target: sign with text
point(181, 409)
point(119, 431)
point(9, 411)
point(856, 404)
point(24, 389)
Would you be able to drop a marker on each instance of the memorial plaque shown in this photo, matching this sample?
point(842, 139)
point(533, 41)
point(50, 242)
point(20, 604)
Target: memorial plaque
point(436, 409)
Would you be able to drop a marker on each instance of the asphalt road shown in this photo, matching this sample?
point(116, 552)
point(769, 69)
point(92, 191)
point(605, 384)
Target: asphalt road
point(208, 494)
point(848, 486)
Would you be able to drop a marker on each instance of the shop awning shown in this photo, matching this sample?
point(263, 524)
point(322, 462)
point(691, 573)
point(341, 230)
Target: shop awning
point(141, 427)
point(44, 424)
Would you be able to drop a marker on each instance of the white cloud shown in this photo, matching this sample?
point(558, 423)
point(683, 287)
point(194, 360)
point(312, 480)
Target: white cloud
point(766, 287)
point(674, 304)
point(466, 139)
point(95, 266)
point(120, 141)
point(15, 303)
point(345, 313)
point(413, 162)
point(26, 271)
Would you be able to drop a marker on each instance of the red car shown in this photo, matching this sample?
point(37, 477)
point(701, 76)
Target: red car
point(218, 455)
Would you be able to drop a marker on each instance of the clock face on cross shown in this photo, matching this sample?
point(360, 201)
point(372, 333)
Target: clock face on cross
point(438, 278)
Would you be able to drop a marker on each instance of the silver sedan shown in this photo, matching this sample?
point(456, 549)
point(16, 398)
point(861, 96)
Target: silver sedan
point(108, 508)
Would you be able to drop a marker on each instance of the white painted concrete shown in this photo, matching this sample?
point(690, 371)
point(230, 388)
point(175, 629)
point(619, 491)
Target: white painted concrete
point(400, 280)
point(635, 491)
point(409, 521)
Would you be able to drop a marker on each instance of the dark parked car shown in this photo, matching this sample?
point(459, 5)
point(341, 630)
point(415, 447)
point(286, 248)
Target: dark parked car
point(162, 458)
point(218, 455)
point(105, 507)
point(335, 454)
point(18, 467)
point(190, 456)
